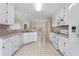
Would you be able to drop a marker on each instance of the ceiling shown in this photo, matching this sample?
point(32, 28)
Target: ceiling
point(28, 9)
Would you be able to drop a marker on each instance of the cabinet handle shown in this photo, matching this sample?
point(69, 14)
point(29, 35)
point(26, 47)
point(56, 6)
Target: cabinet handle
point(6, 21)
point(3, 46)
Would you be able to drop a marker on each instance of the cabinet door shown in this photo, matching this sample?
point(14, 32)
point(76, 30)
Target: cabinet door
point(6, 13)
point(7, 49)
point(55, 38)
point(66, 46)
point(25, 37)
point(57, 22)
point(21, 40)
point(3, 9)
point(28, 37)
point(10, 15)
point(18, 41)
point(61, 45)
point(34, 36)
point(55, 42)
point(15, 43)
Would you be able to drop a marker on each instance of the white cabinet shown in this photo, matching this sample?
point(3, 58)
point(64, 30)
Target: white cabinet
point(61, 15)
point(34, 36)
point(17, 42)
point(66, 47)
point(10, 16)
point(10, 45)
point(20, 40)
point(6, 14)
point(57, 21)
point(7, 48)
point(0, 48)
point(29, 37)
point(3, 14)
point(54, 40)
point(61, 44)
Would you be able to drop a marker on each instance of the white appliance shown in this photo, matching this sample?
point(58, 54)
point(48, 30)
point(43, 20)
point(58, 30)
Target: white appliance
point(74, 41)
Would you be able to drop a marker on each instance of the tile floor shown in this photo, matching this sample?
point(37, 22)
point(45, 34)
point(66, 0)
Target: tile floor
point(39, 48)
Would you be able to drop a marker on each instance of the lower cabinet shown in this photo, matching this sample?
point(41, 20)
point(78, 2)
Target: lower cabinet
point(53, 39)
point(61, 44)
point(7, 48)
point(17, 42)
point(15, 45)
point(20, 40)
point(35, 36)
point(29, 37)
point(10, 45)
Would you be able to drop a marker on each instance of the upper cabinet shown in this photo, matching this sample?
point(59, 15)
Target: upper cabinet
point(60, 16)
point(6, 14)
point(10, 14)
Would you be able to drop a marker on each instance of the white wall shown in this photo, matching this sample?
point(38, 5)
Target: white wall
point(73, 17)
point(16, 26)
point(20, 18)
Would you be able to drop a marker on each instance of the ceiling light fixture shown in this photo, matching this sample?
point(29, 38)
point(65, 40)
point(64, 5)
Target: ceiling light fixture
point(73, 4)
point(38, 6)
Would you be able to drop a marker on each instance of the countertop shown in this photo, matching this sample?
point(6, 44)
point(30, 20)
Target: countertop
point(6, 34)
point(61, 34)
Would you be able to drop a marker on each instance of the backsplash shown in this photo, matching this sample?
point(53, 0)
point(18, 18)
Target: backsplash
point(3, 28)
